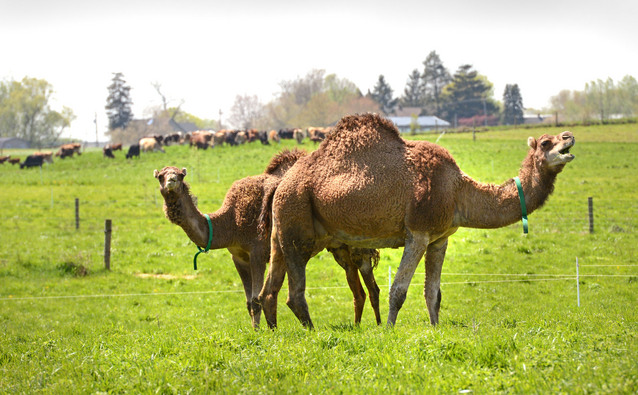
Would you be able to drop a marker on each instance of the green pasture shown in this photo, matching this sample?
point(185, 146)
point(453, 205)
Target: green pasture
point(509, 318)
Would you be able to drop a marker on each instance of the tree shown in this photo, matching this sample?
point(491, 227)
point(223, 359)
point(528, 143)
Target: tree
point(25, 112)
point(246, 111)
point(382, 94)
point(435, 78)
point(600, 97)
point(627, 92)
point(413, 92)
point(512, 105)
point(468, 95)
point(314, 100)
point(118, 103)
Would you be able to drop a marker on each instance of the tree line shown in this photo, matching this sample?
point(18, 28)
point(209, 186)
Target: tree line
point(463, 98)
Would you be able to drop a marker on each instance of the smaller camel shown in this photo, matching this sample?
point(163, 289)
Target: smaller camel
point(236, 228)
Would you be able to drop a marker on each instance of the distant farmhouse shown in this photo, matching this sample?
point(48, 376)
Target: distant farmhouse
point(422, 123)
point(405, 117)
point(13, 142)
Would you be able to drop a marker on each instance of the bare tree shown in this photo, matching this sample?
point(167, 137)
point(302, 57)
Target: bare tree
point(246, 111)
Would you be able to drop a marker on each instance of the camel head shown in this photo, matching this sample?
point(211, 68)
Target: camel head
point(170, 178)
point(552, 152)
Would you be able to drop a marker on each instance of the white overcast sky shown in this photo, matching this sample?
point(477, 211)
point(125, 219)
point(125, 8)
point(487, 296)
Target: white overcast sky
point(204, 53)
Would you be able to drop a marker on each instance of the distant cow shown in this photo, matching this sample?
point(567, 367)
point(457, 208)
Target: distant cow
point(3, 159)
point(133, 150)
point(32, 161)
point(172, 138)
point(273, 135)
point(150, 144)
point(201, 139)
point(230, 137)
point(108, 152)
point(46, 156)
point(219, 138)
point(286, 133)
point(241, 137)
point(63, 152)
point(13, 161)
point(115, 147)
point(263, 137)
point(157, 138)
point(68, 150)
point(298, 135)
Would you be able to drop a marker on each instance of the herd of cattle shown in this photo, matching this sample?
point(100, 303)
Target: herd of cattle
point(201, 139)
point(38, 158)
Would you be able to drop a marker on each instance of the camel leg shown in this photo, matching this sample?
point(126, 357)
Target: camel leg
point(433, 264)
point(258, 264)
point(365, 267)
point(296, 291)
point(243, 268)
point(343, 257)
point(272, 285)
point(415, 246)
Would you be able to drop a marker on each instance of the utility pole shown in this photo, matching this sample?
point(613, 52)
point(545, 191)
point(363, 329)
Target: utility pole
point(220, 119)
point(95, 122)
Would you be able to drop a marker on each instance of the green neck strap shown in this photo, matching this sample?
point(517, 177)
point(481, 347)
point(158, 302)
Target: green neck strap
point(521, 196)
point(210, 240)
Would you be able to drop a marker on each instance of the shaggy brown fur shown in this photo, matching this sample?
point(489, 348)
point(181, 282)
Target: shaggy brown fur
point(368, 188)
point(235, 227)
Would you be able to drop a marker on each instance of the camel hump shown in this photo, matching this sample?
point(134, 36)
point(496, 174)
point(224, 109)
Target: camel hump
point(284, 160)
point(361, 131)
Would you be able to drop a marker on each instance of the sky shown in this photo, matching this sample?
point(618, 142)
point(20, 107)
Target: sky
point(205, 53)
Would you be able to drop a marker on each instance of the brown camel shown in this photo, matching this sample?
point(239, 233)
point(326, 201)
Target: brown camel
point(367, 187)
point(236, 227)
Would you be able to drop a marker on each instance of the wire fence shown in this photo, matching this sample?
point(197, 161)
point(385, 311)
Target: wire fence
point(522, 278)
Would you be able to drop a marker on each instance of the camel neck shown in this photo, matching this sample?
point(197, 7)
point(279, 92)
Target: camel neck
point(483, 205)
point(181, 210)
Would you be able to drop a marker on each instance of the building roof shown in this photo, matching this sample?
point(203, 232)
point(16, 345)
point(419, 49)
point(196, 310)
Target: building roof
point(427, 121)
point(8, 142)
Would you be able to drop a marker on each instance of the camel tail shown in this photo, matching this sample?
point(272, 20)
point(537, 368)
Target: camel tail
point(375, 256)
point(265, 217)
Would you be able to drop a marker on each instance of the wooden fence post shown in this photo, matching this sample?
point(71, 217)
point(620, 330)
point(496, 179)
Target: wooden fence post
point(77, 213)
point(107, 244)
point(590, 202)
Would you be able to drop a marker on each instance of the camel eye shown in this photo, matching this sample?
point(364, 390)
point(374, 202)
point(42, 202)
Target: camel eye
point(545, 144)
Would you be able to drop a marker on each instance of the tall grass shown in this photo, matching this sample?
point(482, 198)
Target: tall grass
point(509, 317)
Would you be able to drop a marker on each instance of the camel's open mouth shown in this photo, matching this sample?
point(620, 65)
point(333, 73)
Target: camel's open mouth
point(565, 154)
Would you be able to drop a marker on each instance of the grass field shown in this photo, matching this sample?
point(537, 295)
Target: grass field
point(509, 317)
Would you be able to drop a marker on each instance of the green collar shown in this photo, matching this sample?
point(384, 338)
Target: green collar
point(521, 196)
point(210, 240)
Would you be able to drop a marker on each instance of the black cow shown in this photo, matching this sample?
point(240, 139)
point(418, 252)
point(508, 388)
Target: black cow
point(133, 150)
point(263, 137)
point(286, 133)
point(32, 161)
point(108, 152)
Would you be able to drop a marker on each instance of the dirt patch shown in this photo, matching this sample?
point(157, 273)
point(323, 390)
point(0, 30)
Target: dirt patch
point(166, 276)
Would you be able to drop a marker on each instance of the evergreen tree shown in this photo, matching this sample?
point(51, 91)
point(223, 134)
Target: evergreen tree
point(468, 95)
point(413, 92)
point(435, 78)
point(512, 105)
point(118, 103)
point(382, 94)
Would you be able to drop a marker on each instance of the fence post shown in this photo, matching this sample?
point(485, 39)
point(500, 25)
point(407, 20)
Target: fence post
point(107, 244)
point(77, 213)
point(590, 202)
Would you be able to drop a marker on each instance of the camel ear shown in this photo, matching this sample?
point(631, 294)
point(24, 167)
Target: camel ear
point(184, 171)
point(155, 173)
point(531, 141)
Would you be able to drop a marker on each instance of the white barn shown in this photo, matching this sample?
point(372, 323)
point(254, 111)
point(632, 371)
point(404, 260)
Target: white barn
point(425, 123)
